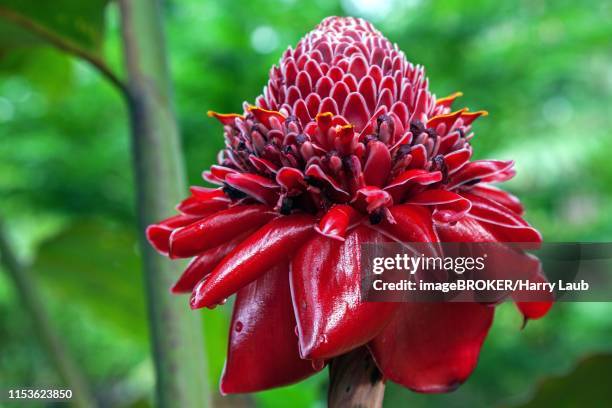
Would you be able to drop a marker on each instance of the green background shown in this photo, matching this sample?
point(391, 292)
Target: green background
point(543, 70)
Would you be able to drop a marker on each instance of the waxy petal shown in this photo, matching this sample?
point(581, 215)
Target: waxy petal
point(266, 247)
point(447, 101)
point(499, 196)
point(202, 203)
point(504, 224)
point(412, 224)
point(432, 347)
point(378, 164)
point(403, 182)
point(225, 118)
point(449, 206)
point(477, 171)
point(372, 198)
point(447, 119)
point(217, 229)
point(325, 287)
point(337, 220)
point(216, 174)
point(260, 188)
point(356, 111)
point(203, 264)
point(158, 234)
point(263, 349)
point(265, 116)
point(291, 179)
point(534, 310)
point(469, 117)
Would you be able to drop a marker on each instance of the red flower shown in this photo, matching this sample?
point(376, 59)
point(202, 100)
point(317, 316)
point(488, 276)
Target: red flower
point(346, 145)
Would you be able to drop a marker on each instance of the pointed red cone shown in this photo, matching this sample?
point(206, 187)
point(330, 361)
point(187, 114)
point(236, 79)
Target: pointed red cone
point(325, 286)
point(432, 347)
point(217, 229)
point(263, 324)
point(263, 249)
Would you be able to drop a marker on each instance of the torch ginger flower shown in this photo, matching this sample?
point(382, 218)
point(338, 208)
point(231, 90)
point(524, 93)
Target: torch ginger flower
point(346, 145)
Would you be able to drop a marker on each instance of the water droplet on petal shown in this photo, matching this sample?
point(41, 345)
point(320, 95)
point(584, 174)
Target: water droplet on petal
point(318, 364)
point(238, 326)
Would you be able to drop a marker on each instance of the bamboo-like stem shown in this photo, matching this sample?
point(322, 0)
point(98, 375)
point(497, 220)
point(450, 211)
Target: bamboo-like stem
point(28, 292)
point(178, 348)
point(355, 381)
point(63, 44)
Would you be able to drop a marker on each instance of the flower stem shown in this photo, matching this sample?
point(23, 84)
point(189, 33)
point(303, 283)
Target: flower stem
point(355, 381)
point(27, 289)
point(178, 347)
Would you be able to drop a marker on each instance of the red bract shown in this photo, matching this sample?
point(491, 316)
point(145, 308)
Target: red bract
point(346, 145)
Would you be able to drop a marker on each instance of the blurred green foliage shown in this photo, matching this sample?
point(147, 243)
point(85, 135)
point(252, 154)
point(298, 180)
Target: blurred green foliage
point(542, 68)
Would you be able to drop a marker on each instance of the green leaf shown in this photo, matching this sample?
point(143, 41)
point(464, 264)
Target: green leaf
point(95, 264)
point(79, 23)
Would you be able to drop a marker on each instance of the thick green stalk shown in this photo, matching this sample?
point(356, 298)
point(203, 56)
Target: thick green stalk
point(30, 297)
point(175, 331)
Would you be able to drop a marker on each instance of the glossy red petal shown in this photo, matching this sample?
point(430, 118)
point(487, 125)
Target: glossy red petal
point(432, 347)
point(502, 197)
point(371, 198)
point(317, 173)
point(265, 116)
point(263, 347)
point(378, 164)
point(469, 117)
point(356, 111)
point(466, 229)
point(400, 184)
point(456, 160)
point(325, 286)
point(263, 249)
point(534, 310)
point(447, 119)
point(203, 264)
point(204, 204)
point(225, 118)
point(412, 224)
point(478, 171)
point(291, 179)
point(447, 101)
point(158, 234)
point(260, 188)
point(217, 229)
point(504, 224)
point(337, 220)
point(449, 206)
